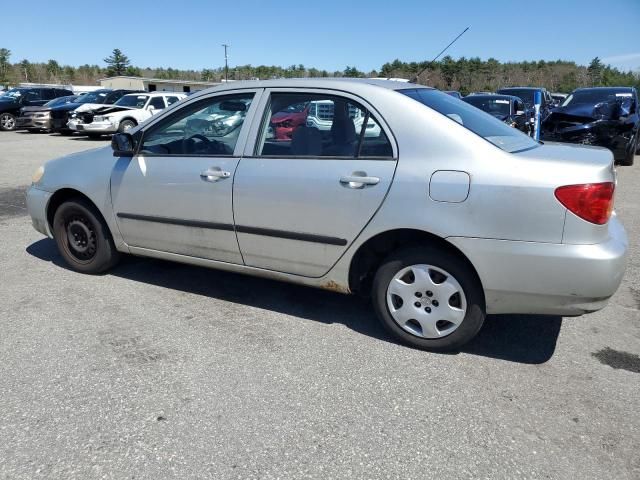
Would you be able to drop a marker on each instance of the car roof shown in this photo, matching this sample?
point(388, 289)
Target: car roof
point(155, 94)
point(495, 96)
point(521, 88)
point(612, 89)
point(336, 83)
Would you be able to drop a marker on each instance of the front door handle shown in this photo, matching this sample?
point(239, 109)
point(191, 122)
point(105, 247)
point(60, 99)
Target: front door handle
point(358, 180)
point(214, 174)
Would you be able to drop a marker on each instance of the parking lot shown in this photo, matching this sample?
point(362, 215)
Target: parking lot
point(166, 370)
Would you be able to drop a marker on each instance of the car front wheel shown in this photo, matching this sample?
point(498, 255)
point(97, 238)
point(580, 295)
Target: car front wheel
point(83, 238)
point(7, 122)
point(428, 298)
point(126, 125)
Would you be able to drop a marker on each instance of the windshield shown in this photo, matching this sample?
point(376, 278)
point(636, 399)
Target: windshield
point(488, 127)
point(93, 97)
point(134, 101)
point(524, 93)
point(12, 94)
point(594, 96)
point(61, 101)
point(494, 106)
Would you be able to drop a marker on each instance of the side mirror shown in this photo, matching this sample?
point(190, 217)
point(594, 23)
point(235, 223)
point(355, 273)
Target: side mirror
point(151, 108)
point(123, 145)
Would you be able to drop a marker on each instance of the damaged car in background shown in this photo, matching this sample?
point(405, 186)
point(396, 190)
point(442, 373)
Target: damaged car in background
point(61, 114)
point(123, 115)
point(506, 108)
point(602, 116)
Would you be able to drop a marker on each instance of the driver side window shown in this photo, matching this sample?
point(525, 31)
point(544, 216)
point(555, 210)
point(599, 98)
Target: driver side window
point(209, 127)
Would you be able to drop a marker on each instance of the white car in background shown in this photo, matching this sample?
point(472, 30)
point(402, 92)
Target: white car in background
point(321, 117)
point(126, 113)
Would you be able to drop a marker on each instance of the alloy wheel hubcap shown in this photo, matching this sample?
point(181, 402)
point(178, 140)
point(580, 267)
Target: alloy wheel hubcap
point(7, 121)
point(81, 237)
point(426, 301)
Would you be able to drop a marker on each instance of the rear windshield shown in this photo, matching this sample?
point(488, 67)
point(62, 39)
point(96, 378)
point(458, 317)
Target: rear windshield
point(526, 94)
point(494, 106)
point(93, 97)
point(487, 126)
point(597, 95)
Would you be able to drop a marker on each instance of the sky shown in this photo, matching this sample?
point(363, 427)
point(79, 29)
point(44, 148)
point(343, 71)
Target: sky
point(326, 34)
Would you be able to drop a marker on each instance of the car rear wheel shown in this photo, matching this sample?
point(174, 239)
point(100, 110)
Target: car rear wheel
point(7, 122)
point(83, 238)
point(126, 125)
point(428, 298)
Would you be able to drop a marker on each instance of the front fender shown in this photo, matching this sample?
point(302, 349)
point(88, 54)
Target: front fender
point(89, 173)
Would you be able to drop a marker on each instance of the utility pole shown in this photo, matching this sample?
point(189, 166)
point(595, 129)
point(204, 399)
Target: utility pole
point(226, 64)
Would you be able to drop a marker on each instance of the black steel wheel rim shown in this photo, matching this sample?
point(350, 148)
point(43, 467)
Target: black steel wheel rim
point(81, 237)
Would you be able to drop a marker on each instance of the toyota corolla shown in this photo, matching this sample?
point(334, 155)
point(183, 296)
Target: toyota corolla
point(444, 215)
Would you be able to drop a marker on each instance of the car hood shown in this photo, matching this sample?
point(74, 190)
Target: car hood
point(108, 109)
point(67, 107)
point(85, 107)
point(282, 116)
point(588, 112)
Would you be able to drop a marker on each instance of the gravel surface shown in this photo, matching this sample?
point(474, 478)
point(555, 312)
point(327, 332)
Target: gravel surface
point(159, 370)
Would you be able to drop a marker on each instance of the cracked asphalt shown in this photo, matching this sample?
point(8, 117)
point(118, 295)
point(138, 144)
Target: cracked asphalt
point(159, 370)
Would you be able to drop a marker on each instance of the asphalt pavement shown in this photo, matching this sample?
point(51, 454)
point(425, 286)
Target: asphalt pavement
point(159, 370)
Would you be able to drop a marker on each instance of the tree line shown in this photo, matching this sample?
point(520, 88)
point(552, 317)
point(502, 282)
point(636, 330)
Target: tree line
point(464, 74)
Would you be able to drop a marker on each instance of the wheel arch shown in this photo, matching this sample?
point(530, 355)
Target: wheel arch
point(372, 253)
point(130, 119)
point(61, 196)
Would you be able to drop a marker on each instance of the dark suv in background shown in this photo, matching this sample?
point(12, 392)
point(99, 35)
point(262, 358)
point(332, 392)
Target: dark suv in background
point(527, 94)
point(16, 98)
point(105, 96)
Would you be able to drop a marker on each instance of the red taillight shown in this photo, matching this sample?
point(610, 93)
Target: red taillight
point(592, 202)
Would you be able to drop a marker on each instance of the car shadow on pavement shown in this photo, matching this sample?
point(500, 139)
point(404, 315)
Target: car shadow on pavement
point(529, 339)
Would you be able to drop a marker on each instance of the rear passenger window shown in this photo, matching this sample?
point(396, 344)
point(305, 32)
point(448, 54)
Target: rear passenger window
point(157, 103)
point(48, 94)
point(209, 128)
point(312, 125)
point(171, 100)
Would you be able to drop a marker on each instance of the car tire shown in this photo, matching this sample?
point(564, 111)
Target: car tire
point(126, 125)
point(633, 148)
point(445, 297)
point(7, 122)
point(83, 238)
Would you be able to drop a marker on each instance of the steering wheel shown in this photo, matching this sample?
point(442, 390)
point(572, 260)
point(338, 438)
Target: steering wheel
point(204, 146)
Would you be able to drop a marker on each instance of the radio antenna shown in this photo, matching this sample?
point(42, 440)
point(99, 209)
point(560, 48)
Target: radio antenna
point(415, 78)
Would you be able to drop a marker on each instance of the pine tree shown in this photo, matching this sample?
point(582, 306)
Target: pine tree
point(117, 63)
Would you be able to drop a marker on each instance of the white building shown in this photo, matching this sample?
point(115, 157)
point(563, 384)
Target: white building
point(154, 84)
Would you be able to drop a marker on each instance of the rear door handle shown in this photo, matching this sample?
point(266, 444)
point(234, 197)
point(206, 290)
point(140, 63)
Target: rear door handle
point(214, 174)
point(358, 180)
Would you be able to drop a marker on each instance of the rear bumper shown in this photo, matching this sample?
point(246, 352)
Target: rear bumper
point(548, 278)
point(37, 201)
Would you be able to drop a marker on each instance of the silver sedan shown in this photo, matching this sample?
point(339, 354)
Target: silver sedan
point(436, 210)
